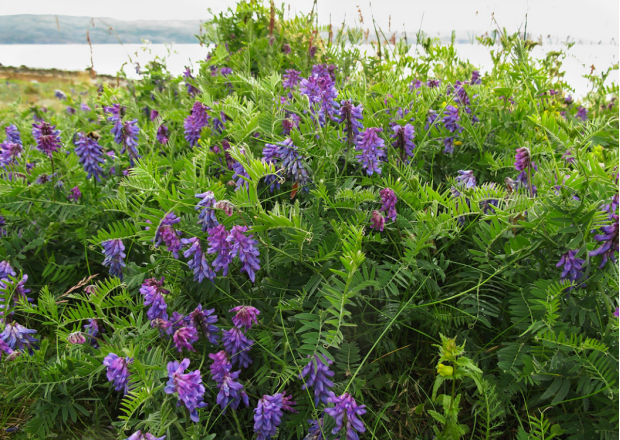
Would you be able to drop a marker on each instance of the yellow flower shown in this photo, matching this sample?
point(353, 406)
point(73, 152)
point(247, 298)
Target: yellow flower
point(458, 143)
point(445, 370)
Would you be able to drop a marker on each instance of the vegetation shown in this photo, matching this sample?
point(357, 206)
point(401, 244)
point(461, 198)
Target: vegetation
point(394, 247)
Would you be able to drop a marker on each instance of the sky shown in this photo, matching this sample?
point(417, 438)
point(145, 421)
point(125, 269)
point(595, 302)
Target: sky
point(591, 20)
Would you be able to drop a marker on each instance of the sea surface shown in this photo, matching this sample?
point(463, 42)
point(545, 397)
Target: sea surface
point(110, 58)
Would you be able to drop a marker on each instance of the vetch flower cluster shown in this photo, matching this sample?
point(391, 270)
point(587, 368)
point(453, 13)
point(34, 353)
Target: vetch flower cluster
point(231, 392)
point(195, 122)
point(609, 242)
point(571, 267)
point(118, 371)
point(268, 416)
point(285, 153)
point(346, 412)
point(388, 200)
point(187, 386)
point(352, 117)
point(316, 374)
point(372, 150)
point(90, 154)
point(237, 345)
point(154, 297)
point(168, 235)
point(113, 250)
point(403, 140)
point(46, 137)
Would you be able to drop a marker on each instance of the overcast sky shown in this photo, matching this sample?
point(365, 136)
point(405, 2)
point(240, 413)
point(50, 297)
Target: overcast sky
point(592, 20)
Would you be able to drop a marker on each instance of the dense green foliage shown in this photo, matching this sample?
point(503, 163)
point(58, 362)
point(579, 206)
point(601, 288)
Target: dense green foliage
point(464, 280)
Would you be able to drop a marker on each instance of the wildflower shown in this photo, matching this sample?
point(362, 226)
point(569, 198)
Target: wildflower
point(571, 266)
point(139, 436)
point(237, 345)
point(70, 110)
point(378, 221)
point(75, 194)
point(154, 296)
point(9, 152)
point(184, 338)
point(220, 246)
point(231, 392)
point(268, 416)
point(467, 178)
point(240, 175)
point(116, 112)
point(415, 84)
point(206, 217)
point(193, 91)
point(451, 119)
point(198, 262)
point(617, 312)
point(430, 119)
point(291, 78)
point(90, 155)
point(187, 386)
point(286, 48)
point(322, 70)
point(47, 138)
point(318, 373)
point(225, 206)
point(609, 242)
point(126, 134)
point(118, 373)
point(4, 348)
point(582, 114)
point(475, 78)
point(17, 337)
point(60, 95)
point(225, 71)
point(433, 83)
point(372, 150)
point(195, 122)
point(568, 157)
point(346, 411)
point(168, 235)
point(292, 161)
point(76, 338)
point(523, 159)
point(114, 256)
point(93, 330)
point(289, 123)
point(568, 100)
point(204, 319)
point(321, 93)
point(315, 431)
point(244, 247)
point(162, 134)
point(403, 140)
point(352, 117)
point(388, 199)
point(445, 370)
point(154, 114)
point(288, 403)
point(12, 134)
point(220, 365)
point(3, 233)
point(84, 107)
point(245, 316)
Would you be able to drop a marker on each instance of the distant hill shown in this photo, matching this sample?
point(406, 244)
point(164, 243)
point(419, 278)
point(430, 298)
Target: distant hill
point(44, 29)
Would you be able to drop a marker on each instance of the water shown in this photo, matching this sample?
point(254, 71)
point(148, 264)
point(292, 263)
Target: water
point(110, 58)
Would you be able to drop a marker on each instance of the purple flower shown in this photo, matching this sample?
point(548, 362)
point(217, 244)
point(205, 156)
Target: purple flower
point(126, 134)
point(582, 114)
point(451, 119)
point(184, 338)
point(245, 316)
point(118, 373)
point(206, 217)
point(114, 256)
point(4, 348)
point(523, 159)
point(430, 119)
point(60, 95)
point(220, 365)
point(90, 154)
point(93, 330)
point(139, 436)
point(318, 373)
point(467, 178)
point(291, 78)
point(475, 78)
point(288, 403)
point(162, 134)
point(372, 149)
point(268, 416)
point(70, 110)
point(568, 100)
point(220, 246)
point(568, 157)
point(47, 138)
point(195, 122)
point(388, 199)
point(352, 118)
point(286, 48)
point(231, 392)
point(433, 83)
point(153, 115)
point(225, 71)
point(617, 312)
point(17, 337)
point(346, 412)
point(188, 387)
point(237, 345)
point(239, 175)
point(378, 221)
point(198, 263)
point(84, 107)
point(244, 247)
point(116, 113)
point(289, 123)
point(571, 267)
point(403, 140)
point(204, 320)
point(193, 91)
point(321, 93)
point(609, 242)
point(76, 338)
point(415, 84)
point(316, 430)
point(75, 194)
point(12, 134)
point(292, 162)
point(168, 235)
point(9, 152)
point(154, 296)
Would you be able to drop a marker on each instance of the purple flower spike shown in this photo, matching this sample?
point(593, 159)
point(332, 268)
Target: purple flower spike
point(195, 122)
point(245, 317)
point(168, 235)
point(352, 118)
point(475, 78)
point(126, 134)
point(154, 115)
point(5, 349)
point(378, 221)
point(321, 92)
point(291, 162)
point(433, 83)
point(237, 345)
point(288, 403)
point(118, 373)
point(372, 150)
point(198, 263)
point(291, 79)
point(467, 178)
point(316, 430)
point(9, 152)
point(220, 246)
point(90, 154)
point(451, 119)
point(403, 140)
point(206, 218)
point(146, 436)
point(617, 312)
point(84, 107)
point(318, 373)
point(162, 135)
point(47, 137)
point(389, 199)
point(154, 296)
point(582, 114)
point(268, 416)
point(17, 337)
point(93, 330)
point(187, 386)
point(114, 256)
point(76, 338)
point(60, 95)
point(239, 175)
point(75, 194)
point(13, 135)
point(231, 392)
point(346, 412)
point(204, 320)
point(523, 159)
point(244, 247)
point(609, 242)
point(571, 267)
point(193, 91)
point(184, 338)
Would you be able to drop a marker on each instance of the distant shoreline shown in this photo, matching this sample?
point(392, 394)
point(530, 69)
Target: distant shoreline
point(25, 73)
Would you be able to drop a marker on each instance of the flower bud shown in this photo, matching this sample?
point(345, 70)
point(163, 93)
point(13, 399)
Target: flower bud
point(445, 370)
